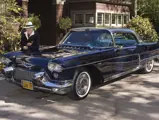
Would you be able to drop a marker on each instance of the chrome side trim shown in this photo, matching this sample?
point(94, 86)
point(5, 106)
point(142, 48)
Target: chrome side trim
point(121, 74)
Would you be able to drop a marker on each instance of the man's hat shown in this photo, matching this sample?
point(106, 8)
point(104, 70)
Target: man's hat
point(29, 25)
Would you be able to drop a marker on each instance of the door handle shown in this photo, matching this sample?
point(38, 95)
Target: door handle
point(99, 64)
point(117, 50)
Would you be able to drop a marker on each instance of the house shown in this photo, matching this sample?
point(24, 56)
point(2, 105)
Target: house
point(84, 13)
point(100, 13)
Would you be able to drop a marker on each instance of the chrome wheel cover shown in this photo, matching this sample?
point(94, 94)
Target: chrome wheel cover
point(149, 65)
point(83, 84)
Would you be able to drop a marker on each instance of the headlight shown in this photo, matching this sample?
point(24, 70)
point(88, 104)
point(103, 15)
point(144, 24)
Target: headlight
point(54, 67)
point(4, 60)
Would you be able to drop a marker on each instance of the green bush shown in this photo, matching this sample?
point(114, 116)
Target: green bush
point(35, 20)
point(11, 24)
point(144, 28)
point(65, 23)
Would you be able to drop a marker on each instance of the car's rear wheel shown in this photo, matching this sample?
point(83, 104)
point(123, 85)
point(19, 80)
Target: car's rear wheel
point(82, 85)
point(148, 66)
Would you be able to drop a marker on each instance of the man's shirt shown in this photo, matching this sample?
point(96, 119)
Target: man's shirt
point(32, 38)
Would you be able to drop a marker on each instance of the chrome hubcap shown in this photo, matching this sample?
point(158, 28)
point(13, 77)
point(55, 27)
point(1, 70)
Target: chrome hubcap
point(149, 65)
point(83, 84)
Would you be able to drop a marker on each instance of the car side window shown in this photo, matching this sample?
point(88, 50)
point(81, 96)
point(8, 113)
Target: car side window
point(125, 39)
point(94, 38)
point(104, 39)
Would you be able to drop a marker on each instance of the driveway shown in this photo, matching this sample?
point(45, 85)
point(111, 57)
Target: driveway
point(133, 97)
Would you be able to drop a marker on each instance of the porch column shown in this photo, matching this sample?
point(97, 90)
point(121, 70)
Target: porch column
point(25, 8)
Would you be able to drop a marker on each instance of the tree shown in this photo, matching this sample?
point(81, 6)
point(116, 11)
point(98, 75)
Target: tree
point(149, 9)
point(135, 7)
point(144, 28)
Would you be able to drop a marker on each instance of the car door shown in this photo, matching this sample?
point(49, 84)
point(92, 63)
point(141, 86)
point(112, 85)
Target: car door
point(105, 42)
point(126, 58)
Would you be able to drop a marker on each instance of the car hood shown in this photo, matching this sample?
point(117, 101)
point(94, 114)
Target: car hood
point(42, 59)
point(56, 55)
point(63, 53)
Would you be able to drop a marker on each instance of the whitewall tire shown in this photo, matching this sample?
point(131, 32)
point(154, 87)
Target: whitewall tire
point(148, 66)
point(82, 85)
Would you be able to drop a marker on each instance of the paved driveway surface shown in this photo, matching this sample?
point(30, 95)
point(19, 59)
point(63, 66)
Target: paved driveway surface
point(134, 97)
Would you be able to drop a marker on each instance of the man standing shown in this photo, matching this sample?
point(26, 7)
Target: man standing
point(30, 39)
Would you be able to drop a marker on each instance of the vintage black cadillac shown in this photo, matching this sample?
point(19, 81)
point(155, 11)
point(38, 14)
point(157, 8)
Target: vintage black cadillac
point(84, 57)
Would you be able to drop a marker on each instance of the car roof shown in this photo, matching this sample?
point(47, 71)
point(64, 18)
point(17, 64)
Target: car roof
point(112, 30)
point(86, 28)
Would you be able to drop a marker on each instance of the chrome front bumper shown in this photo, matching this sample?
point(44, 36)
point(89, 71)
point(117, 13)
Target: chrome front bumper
point(46, 84)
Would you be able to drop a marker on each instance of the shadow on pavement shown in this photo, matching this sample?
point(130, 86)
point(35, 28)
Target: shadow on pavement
point(133, 97)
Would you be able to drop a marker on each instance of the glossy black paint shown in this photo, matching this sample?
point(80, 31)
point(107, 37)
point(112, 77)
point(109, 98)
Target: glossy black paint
point(107, 61)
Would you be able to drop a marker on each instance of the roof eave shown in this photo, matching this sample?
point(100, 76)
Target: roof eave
point(103, 1)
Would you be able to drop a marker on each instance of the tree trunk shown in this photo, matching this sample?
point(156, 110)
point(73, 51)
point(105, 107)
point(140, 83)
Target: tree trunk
point(25, 8)
point(134, 7)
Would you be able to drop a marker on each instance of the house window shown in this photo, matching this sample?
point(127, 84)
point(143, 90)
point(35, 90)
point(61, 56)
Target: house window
point(107, 18)
point(114, 19)
point(120, 19)
point(89, 18)
point(79, 18)
point(100, 18)
point(126, 19)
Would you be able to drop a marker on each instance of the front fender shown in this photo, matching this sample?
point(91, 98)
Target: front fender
point(13, 54)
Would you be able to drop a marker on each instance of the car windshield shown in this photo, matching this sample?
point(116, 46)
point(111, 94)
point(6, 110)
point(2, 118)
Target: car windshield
point(101, 38)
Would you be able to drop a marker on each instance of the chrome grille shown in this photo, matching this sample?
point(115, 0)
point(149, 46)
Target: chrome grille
point(21, 74)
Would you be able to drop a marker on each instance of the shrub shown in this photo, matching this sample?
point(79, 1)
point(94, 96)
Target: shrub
point(65, 23)
point(35, 20)
point(144, 28)
point(11, 24)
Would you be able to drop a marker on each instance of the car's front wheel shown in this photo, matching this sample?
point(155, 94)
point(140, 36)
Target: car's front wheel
point(81, 86)
point(148, 66)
